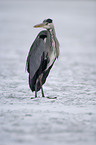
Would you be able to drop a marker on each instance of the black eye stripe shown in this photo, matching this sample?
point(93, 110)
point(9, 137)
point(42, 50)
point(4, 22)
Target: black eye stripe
point(48, 20)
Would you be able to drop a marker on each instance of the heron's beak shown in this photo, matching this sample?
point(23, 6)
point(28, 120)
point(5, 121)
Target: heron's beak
point(39, 25)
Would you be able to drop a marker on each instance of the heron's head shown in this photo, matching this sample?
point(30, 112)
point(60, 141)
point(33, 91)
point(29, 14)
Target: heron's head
point(47, 24)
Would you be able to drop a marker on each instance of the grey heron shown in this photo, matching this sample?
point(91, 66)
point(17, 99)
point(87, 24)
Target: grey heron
point(42, 55)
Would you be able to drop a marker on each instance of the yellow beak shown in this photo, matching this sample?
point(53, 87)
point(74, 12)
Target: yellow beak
point(39, 25)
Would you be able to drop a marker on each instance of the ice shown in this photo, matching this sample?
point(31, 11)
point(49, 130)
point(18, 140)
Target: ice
point(69, 119)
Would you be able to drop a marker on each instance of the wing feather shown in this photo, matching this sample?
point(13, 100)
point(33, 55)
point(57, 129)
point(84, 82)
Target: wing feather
point(35, 53)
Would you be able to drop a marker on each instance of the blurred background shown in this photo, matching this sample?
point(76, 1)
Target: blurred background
point(71, 118)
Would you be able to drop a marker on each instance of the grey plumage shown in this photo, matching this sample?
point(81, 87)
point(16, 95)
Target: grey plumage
point(41, 57)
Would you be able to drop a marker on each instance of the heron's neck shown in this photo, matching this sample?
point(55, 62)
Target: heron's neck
point(52, 32)
point(54, 40)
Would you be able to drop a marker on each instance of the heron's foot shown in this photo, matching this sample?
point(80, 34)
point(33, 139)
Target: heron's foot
point(43, 95)
point(52, 97)
point(32, 98)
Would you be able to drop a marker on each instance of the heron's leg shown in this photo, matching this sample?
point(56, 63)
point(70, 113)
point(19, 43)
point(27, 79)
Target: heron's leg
point(41, 86)
point(36, 90)
point(42, 92)
point(35, 94)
